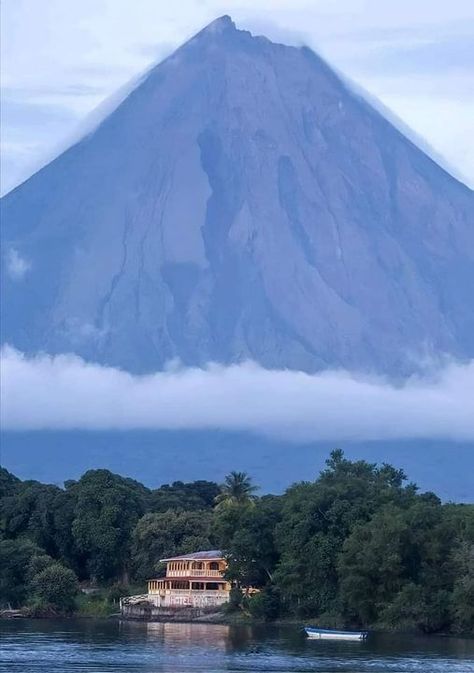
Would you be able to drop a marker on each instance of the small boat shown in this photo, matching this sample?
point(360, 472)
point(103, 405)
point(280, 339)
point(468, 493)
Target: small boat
point(334, 634)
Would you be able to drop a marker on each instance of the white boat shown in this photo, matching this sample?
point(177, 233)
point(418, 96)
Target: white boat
point(334, 634)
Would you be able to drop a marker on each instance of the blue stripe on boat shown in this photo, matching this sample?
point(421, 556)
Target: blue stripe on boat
point(315, 630)
point(310, 629)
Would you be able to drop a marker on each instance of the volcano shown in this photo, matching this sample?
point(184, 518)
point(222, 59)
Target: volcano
point(242, 202)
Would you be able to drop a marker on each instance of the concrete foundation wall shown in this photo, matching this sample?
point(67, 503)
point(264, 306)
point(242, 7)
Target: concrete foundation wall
point(193, 599)
point(150, 612)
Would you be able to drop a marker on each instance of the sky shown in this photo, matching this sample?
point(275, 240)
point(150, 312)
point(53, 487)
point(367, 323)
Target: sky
point(62, 58)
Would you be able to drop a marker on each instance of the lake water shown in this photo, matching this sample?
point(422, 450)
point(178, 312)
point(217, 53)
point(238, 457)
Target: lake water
point(103, 646)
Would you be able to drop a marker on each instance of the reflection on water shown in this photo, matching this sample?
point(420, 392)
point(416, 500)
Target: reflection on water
point(100, 646)
point(191, 634)
point(210, 638)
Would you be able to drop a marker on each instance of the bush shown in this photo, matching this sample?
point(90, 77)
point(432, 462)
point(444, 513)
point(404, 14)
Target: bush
point(93, 605)
point(38, 564)
point(20, 560)
point(414, 607)
point(116, 592)
point(266, 604)
point(463, 604)
point(55, 587)
point(235, 600)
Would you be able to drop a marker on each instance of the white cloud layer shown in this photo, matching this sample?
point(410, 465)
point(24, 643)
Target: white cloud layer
point(65, 392)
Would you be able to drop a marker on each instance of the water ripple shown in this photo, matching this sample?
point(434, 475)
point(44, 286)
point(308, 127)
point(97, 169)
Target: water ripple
point(104, 646)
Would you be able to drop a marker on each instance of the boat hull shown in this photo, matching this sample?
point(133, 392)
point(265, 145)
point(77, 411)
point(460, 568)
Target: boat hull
point(332, 634)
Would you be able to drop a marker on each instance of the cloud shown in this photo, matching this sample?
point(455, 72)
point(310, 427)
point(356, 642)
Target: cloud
point(65, 392)
point(78, 332)
point(16, 265)
point(445, 56)
point(30, 125)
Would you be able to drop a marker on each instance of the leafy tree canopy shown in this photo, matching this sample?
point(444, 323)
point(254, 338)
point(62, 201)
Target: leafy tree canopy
point(165, 534)
point(358, 546)
point(237, 489)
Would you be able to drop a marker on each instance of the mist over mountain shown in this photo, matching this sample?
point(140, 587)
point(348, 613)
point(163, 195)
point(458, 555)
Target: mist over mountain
point(241, 203)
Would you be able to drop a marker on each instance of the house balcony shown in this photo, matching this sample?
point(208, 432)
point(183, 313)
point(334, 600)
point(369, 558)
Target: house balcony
point(189, 592)
point(195, 573)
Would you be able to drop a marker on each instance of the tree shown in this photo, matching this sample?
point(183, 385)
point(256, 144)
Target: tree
point(8, 483)
point(30, 510)
point(403, 552)
point(461, 520)
point(106, 510)
point(316, 520)
point(246, 534)
point(15, 559)
point(55, 587)
point(463, 603)
point(374, 565)
point(196, 495)
point(416, 607)
point(161, 535)
point(37, 564)
point(357, 546)
point(266, 604)
point(237, 489)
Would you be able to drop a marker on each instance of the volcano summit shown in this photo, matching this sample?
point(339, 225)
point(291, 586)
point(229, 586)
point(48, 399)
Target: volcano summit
point(241, 202)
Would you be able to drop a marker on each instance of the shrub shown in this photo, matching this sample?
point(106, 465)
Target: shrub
point(55, 587)
point(266, 604)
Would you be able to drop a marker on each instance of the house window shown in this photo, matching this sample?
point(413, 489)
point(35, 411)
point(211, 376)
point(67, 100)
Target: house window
point(197, 565)
point(179, 585)
point(214, 565)
point(198, 586)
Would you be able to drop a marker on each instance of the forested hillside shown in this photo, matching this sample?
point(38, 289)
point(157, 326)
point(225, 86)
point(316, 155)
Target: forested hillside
point(359, 546)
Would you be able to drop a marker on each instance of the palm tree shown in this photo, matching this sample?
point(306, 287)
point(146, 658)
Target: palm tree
point(237, 489)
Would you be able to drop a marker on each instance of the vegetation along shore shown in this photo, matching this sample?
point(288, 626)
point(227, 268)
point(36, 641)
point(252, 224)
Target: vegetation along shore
point(358, 547)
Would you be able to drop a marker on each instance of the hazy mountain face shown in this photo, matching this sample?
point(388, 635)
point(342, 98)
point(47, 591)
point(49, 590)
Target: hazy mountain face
point(241, 203)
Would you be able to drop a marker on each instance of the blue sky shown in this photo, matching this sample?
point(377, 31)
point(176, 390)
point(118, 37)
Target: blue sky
point(62, 58)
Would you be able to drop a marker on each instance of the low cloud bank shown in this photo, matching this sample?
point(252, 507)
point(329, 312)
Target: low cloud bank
point(65, 392)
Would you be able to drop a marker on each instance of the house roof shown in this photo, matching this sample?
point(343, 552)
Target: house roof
point(189, 578)
point(213, 555)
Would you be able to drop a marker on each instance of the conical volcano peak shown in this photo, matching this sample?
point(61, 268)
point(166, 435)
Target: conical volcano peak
point(222, 24)
point(241, 203)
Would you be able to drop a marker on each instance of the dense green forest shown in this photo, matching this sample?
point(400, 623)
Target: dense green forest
point(359, 546)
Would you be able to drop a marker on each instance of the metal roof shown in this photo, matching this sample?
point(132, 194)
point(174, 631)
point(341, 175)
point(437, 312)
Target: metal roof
point(189, 578)
point(213, 555)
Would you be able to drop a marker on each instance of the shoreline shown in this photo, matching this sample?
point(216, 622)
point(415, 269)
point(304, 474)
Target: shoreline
point(217, 619)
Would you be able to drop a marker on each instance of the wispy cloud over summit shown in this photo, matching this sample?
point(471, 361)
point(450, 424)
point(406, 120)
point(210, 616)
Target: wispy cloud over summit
point(415, 57)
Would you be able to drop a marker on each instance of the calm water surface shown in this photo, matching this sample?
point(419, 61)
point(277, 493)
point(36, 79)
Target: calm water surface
point(104, 646)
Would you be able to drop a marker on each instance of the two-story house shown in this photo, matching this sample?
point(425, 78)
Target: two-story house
point(192, 580)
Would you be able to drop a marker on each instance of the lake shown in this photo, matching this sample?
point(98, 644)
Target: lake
point(96, 646)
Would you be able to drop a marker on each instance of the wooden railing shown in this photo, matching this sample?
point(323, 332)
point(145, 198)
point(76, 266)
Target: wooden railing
point(201, 592)
point(133, 600)
point(194, 573)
